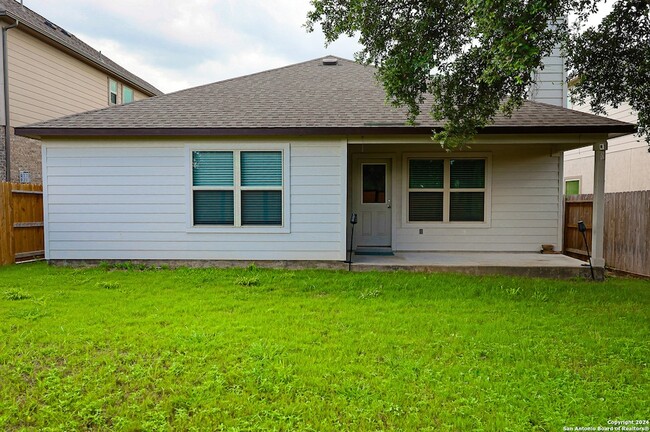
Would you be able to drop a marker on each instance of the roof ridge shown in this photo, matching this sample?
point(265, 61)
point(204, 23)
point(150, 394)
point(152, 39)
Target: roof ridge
point(226, 80)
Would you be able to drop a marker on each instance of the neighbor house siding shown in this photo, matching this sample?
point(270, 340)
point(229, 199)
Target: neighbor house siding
point(138, 95)
point(46, 83)
point(627, 164)
point(128, 201)
point(523, 199)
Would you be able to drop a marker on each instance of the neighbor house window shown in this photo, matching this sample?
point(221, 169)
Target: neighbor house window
point(127, 94)
point(572, 187)
point(446, 190)
point(112, 92)
point(237, 188)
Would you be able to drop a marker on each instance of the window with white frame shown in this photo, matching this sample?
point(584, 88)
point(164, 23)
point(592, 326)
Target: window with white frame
point(446, 189)
point(572, 186)
point(237, 188)
point(112, 92)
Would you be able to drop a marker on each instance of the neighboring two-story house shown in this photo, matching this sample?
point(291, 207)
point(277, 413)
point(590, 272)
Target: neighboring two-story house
point(628, 160)
point(47, 73)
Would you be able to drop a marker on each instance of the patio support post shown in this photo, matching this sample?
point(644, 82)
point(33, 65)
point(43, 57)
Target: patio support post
point(598, 221)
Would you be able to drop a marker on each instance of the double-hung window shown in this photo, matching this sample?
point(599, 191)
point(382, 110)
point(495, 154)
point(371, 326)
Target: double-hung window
point(237, 188)
point(447, 190)
point(112, 92)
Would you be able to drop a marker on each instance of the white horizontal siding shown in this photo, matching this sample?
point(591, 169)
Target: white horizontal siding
point(523, 196)
point(129, 201)
point(549, 86)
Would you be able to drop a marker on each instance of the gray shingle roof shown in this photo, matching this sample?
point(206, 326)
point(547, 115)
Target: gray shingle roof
point(39, 24)
point(305, 98)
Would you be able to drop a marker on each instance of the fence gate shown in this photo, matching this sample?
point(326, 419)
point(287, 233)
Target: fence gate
point(21, 222)
point(626, 245)
point(576, 208)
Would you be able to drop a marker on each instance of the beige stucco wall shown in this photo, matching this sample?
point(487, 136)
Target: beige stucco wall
point(627, 163)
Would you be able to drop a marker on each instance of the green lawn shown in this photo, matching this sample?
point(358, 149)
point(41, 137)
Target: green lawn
point(252, 349)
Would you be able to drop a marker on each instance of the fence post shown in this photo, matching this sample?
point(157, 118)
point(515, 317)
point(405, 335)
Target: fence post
point(7, 251)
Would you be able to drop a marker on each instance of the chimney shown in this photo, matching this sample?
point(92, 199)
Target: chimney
point(550, 83)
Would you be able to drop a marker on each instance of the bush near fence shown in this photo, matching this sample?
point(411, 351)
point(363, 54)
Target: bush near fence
point(21, 222)
point(627, 229)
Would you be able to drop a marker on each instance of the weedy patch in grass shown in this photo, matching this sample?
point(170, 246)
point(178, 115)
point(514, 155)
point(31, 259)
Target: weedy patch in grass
point(110, 285)
point(247, 281)
point(370, 294)
point(15, 294)
point(30, 314)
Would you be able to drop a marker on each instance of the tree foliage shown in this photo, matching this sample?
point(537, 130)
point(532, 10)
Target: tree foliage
point(610, 64)
point(478, 57)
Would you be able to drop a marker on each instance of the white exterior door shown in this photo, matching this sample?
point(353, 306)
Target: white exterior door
point(373, 202)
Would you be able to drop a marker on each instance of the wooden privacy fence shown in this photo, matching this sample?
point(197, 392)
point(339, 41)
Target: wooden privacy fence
point(21, 222)
point(627, 229)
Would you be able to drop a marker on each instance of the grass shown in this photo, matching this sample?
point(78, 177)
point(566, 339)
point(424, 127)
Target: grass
point(249, 349)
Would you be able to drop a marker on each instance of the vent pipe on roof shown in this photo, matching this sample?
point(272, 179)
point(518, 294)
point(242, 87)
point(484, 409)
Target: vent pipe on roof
point(330, 61)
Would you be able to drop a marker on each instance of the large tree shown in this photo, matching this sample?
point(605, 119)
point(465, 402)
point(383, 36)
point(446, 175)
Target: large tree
point(478, 57)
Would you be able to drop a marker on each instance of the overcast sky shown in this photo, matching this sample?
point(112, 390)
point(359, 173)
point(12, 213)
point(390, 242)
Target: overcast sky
point(176, 44)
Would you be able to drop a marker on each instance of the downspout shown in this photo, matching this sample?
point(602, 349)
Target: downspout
point(5, 74)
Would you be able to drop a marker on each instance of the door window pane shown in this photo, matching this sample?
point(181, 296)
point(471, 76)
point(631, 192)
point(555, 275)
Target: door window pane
point(374, 183)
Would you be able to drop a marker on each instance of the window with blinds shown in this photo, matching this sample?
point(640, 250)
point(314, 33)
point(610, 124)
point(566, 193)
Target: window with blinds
point(426, 190)
point(446, 190)
point(237, 188)
point(467, 195)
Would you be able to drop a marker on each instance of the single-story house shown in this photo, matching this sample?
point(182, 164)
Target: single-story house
point(270, 166)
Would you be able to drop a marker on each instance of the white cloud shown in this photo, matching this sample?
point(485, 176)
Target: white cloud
point(177, 44)
point(167, 80)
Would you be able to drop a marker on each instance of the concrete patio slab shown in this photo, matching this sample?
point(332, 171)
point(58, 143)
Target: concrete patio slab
point(478, 263)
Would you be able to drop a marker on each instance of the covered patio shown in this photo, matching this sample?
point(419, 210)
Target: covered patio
point(478, 263)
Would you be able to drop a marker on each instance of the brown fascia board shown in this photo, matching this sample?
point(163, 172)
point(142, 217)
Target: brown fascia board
point(73, 52)
point(39, 133)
